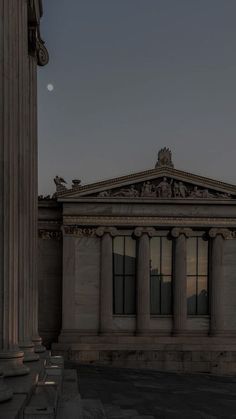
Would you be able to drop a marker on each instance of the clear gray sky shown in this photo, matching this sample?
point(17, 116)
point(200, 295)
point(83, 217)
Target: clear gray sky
point(132, 76)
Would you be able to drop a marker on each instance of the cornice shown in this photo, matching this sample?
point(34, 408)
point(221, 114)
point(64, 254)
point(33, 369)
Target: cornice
point(80, 191)
point(198, 222)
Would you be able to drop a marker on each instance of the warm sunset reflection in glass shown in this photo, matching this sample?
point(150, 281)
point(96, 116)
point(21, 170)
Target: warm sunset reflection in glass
point(197, 276)
point(124, 266)
point(161, 275)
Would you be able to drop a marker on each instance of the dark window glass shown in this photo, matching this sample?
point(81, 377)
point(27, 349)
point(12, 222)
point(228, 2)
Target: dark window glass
point(124, 267)
point(161, 275)
point(197, 276)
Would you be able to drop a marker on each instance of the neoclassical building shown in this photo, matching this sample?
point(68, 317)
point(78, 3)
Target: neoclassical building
point(140, 270)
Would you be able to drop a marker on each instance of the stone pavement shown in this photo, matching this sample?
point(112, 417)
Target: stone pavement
point(116, 393)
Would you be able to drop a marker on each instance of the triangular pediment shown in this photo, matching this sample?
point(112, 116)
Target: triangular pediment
point(159, 183)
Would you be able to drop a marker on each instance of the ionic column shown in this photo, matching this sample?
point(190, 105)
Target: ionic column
point(13, 33)
point(180, 236)
point(38, 55)
point(106, 286)
point(143, 280)
point(25, 176)
point(216, 276)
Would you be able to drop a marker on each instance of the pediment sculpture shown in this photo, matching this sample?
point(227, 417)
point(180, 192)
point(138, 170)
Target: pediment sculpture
point(165, 188)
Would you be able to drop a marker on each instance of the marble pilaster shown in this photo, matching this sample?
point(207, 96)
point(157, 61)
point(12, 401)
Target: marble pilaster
point(217, 235)
point(180, 236)
point(106, 287)
point(143, 280)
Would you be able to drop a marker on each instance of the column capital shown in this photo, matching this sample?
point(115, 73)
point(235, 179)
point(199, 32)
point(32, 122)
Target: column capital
point(177, 231)
point(150, 231)
point(106, 230)
point(224, 232)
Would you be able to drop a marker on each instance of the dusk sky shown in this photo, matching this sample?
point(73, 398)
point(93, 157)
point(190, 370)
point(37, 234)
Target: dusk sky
point(133, 76)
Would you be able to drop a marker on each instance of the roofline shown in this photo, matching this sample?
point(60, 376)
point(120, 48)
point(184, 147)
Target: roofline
point(164, 169)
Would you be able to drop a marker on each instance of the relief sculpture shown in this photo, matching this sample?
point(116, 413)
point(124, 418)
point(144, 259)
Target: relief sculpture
point(164, 189)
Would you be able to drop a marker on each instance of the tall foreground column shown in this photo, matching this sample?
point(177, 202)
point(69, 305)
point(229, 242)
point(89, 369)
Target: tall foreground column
point(106, 287)
point(16, 173)
point(180, 285)
point(143, 280)
point(217, 235)
point(11, 358)
point(38, 55)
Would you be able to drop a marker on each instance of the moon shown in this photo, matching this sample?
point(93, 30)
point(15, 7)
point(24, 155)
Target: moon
point(50, 87)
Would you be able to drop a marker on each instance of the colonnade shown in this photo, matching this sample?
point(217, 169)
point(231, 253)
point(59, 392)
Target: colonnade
point(180, 237)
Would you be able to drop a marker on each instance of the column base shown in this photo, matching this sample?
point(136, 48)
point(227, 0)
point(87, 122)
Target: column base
point(29, 351)
point(177, 332)
point(5, 392)
point(38, 347)
point(11, 363)
point(142, 333)
point(216, 333)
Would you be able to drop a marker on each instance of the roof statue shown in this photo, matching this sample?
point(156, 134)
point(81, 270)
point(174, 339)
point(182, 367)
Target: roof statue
point(59, 182)
point(76, 183)
point(164, 158)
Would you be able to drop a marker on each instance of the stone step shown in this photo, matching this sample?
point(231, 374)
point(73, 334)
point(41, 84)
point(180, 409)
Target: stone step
point(92, 409)
point(70, 409)
point(43, 402)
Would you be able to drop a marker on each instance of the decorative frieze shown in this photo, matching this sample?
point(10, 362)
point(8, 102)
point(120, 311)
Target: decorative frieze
point(50, 235)
point(78, 231)
point(164, 188)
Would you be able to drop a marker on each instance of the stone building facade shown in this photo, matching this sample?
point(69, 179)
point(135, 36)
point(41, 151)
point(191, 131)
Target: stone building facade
point(141, 270)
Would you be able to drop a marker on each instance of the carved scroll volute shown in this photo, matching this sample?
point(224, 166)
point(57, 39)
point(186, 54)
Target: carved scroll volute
point(176, 232)
point(224, 232)
point(42, 53)
point(103, 230)
point(144, 230)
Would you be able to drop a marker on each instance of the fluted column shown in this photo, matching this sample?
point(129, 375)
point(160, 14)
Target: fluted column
point(217, 235)
point(25, 176)
point(38, 55)
point(143, 280)
point(13, 32)
point(180, 236)
point(106, 285)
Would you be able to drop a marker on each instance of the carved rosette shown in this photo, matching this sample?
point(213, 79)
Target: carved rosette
point(224, 232)
point(49, 235)
point(100, 231)
point(150, 231)
point(78, 231)
point(176, 232)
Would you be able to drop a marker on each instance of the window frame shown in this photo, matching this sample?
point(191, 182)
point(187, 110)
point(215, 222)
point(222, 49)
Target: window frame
point(161, 236)
point(124, 276)
point(197, 276)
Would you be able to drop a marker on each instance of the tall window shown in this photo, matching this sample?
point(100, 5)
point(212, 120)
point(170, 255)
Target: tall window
point(161, 275)
point(197, 276)
point(124, 266)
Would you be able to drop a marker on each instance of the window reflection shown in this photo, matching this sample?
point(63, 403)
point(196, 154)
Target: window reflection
point(124, 275)
point(161, 275)
point(197, 276)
